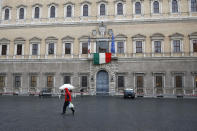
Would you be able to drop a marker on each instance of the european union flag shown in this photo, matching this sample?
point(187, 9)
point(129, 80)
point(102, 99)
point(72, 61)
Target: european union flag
point(112, 45)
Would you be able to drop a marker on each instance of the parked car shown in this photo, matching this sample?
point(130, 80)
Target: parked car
point(129, 93)
point(45, 92)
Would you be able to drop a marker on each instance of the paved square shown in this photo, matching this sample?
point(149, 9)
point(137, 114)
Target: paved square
point(97, 113)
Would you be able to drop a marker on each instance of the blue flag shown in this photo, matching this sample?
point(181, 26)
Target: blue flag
point(88, 45)
point(112, 45)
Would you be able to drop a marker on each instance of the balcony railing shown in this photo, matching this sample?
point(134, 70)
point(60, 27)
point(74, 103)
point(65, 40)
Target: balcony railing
point(131, 17)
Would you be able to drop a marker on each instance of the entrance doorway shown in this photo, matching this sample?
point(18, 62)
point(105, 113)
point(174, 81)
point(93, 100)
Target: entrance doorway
point(102, 83)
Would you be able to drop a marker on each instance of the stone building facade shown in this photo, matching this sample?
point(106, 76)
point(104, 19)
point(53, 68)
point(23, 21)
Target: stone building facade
point(44, 44)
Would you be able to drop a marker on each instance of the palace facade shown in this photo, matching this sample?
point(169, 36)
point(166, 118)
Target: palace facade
point(45, 43)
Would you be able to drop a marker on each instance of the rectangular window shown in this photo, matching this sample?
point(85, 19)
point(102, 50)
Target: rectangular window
point(17, 81)
point(2, 81)
point(7, 14)
point(102, 47)
point(34, 49)
point(51, 49)
point(37, 13)
point(33, 81)
point(120, 47)
point(174, 6)
point(67, 48)
point(19, 49)
point(140, 83)
point(178, 81)
point(84, 48)
point(49, 81)
point(157, 45)
point(4, 50)
point(194, 45)
point(138, 46)
point(195, 81)
point(177, 46)
point(67, 80)
point(84, 81)
point(120, 81)
point(158, 82)
point(193, 5)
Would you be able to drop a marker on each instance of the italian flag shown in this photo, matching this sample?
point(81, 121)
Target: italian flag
point(101, 58)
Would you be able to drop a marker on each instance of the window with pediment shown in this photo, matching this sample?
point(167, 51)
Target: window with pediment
point(157, 43)
point(4, 46)
point(6, 13)
point(68, 10)
point(138, 43)
point(176, 43)
point(35, 46)
point(21, 12)
point(19, 46)
point(67, 45)
point(51, 45)
point(193, 42)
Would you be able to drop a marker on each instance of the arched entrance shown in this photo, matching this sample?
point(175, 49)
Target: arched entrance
point(102, 83)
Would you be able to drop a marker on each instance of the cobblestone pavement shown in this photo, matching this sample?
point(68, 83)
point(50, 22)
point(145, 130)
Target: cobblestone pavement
point(97, 113)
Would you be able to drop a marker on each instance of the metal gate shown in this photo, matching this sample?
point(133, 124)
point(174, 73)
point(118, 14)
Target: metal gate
point(102, 83)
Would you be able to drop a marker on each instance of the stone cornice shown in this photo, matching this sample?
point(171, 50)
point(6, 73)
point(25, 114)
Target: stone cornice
point(93, 23)
point(79, 60)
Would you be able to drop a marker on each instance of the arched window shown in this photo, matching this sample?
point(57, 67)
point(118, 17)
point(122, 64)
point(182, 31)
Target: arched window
point(174, 6)
point(52, 12)
point(119, 9)
point(85, 10)
point(137, 8)
point(156, 7)
point(21, 13)
point(7, 14)
point(102, 9)
point(37, 13)
point(193, 6)
point(69, 11)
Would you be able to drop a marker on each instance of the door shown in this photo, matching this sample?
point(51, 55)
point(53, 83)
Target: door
point(102, 83)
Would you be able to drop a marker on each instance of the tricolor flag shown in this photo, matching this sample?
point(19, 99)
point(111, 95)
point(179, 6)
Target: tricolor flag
point(101, 58)
point(88, 45)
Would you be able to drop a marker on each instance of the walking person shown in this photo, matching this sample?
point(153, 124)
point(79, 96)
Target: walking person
point(67, 102)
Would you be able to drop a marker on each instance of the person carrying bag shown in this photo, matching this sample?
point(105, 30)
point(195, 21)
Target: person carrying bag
point(67, 102)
